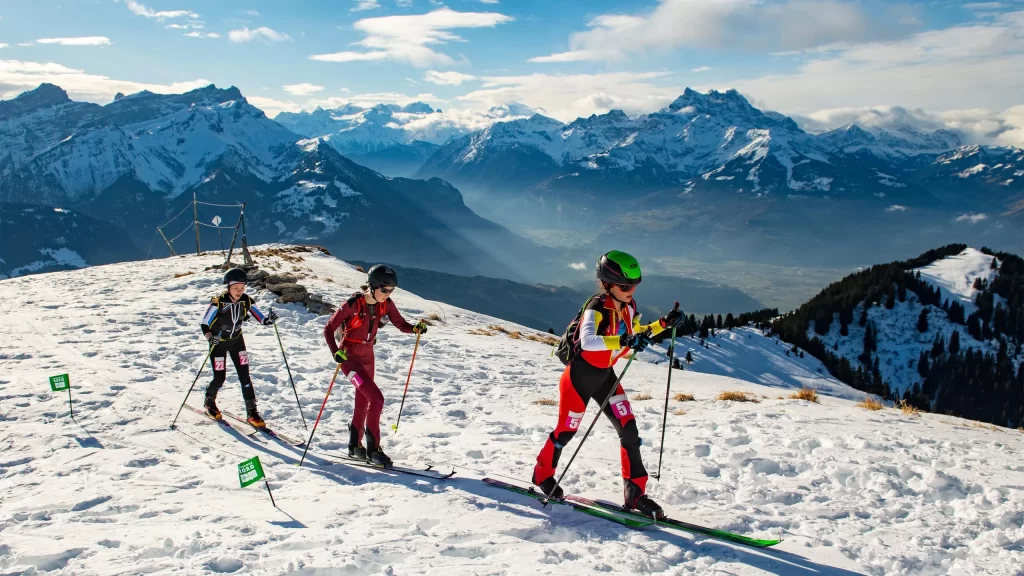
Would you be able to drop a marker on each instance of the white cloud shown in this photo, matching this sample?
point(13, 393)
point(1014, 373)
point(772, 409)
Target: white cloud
point(362, 5)
point(487, 1)
point(303, 89)
point(569, 96)
point(700, 69)
point(578, 266)
point(972, 218)
point(946, 71)
point(250, 12)
point(201, 35)
point(213, 35)
point(140, 10)
point(272, 107)
point(403, 3)
point(247, 35)
point(16, 76)
point(79, 41)
point(975, 125)
point(731, 24)
point(176, 27)
point(571, 56)
point(447, 78)
point(896, 208)
point(408, 38)
point(984, 6)
point(2, 45)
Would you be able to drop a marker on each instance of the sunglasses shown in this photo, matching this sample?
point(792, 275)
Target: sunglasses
point(386, 290)
point(626, 287)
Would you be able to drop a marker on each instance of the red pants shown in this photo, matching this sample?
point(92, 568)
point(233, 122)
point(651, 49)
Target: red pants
point(580, 382)
point(369, 401)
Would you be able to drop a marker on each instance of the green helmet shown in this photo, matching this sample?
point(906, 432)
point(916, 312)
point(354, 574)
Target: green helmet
point(618, 268)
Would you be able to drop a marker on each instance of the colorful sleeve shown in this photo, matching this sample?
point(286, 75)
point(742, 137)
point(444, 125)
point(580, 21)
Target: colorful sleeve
point(257, 313)
point(589, 339)
point(208, 317)
point(396, 318)
point(655, 327)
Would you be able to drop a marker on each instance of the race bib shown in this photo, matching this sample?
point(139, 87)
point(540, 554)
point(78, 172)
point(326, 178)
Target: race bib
point(572, 421)
point(243, 358)
point(620, 406)
point(218, 364)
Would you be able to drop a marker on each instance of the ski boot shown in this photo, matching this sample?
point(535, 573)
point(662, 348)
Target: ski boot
point(374, 455)
point(210, 404)
point(355, 446)
point(639, 502)
point(253, 417)
point(547, 485)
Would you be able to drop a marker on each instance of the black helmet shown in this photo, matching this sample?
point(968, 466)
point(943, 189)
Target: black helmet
point(618, 268)
point(382, 275)
point(235, 276)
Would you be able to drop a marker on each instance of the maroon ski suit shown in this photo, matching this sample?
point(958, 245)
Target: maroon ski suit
point(356, 324)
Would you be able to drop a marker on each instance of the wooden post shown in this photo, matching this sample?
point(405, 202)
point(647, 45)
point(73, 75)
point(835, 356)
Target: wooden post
point(171, 248)
point(231, 248)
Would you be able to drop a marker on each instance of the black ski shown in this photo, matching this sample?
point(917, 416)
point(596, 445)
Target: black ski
point(242, 428)
point(267, 430)
point(427, 472)
point(678, 524)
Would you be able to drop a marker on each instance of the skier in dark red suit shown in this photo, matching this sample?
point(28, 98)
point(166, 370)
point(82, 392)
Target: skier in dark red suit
point(355, 325)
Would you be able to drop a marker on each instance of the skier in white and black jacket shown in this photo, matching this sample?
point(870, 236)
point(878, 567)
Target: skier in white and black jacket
point(222, 326)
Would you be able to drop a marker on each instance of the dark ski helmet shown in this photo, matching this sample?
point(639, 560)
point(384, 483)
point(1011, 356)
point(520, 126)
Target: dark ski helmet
point(382, 275)
point(235, 276)
point(618, 268)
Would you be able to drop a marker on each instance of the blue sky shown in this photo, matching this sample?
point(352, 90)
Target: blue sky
point(826, 61)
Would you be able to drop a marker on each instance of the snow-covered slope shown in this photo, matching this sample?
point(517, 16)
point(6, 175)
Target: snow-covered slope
point(117, 492)
point(899, 342)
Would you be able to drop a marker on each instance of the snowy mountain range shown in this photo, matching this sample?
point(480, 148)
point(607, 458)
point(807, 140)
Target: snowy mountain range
point(850, 491)
point(394, 140)
point(727, 178)
point(138, 160)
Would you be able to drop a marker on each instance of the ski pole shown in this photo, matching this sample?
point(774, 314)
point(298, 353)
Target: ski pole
point(668, 386)
point(191, 387)
point(328, 395)
point(288, 368)
point(407, 378)
point(607, 398)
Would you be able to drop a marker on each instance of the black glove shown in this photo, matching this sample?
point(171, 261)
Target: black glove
point(637, 341)
point(214, 339)
point(340, 356)
point(270, 318)
point(673, 319)
point(420, 327)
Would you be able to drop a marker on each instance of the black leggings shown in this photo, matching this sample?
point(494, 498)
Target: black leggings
point(236, 349)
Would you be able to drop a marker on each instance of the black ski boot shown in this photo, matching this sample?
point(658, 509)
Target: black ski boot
point(639, 502)
point(355, 446)
point(253, 417)
point(210, 404)
point(547, 485)
point(374, 455)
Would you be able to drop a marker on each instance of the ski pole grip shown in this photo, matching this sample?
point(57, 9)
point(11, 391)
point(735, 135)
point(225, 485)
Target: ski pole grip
point(676, 307)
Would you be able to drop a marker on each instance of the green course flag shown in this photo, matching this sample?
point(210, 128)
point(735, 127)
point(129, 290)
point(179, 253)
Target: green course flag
point(250, 472)
point(62, 382)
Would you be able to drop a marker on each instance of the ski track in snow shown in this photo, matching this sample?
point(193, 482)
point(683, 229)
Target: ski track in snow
point(116, 491)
